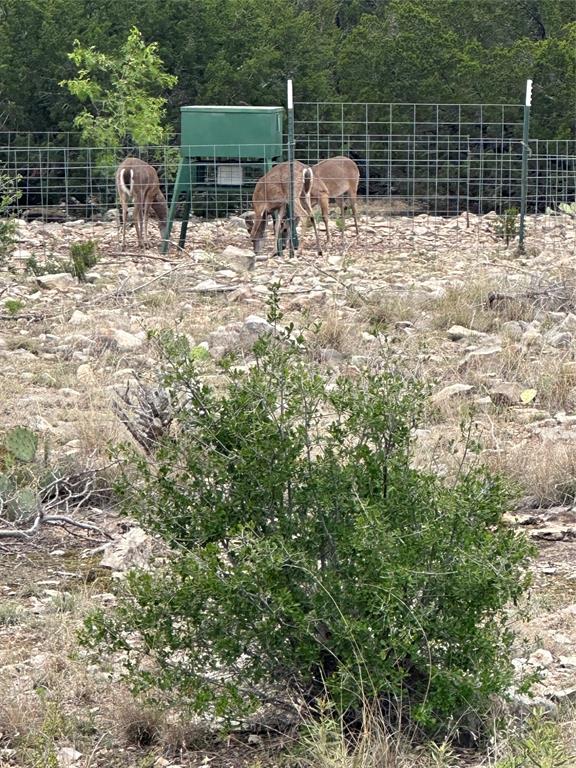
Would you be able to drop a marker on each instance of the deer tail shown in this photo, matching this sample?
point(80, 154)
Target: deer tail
point(308, 179)
point(126, 181)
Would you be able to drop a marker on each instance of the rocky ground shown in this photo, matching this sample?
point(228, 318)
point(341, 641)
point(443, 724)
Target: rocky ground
point(491, 330)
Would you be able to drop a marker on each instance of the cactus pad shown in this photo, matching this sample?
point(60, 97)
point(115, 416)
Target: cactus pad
point(21, 443)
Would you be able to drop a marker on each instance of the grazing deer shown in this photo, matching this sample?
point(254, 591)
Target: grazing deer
point(138, 181)
point(272, 195)
point(335, 178)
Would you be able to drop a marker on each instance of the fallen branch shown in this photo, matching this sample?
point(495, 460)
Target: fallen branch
point(24, 534)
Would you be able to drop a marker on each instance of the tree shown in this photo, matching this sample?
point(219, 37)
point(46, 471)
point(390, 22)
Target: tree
point(119, 90)
point(306, 553)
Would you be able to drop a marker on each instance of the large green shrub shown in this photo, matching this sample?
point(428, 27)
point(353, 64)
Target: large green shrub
point(307, 553)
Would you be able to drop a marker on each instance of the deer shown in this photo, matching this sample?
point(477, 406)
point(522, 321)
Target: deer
point(272, 195)
point(138, 181)
point(335, 178)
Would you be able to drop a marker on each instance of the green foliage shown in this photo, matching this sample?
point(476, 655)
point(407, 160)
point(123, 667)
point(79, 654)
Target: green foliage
point(18, 494)
point(541, 745)
point(568, 208)
point(21, 443)
point(507, 224)
point(13, 306)
point(51, 265)
point(9, 194)
point(83, 257)
point(307, 552)
point(120, 91)
point(354, 50)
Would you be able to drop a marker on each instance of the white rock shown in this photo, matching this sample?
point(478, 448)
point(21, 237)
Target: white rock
point(127, 341)
point(453, 390)
point(569, 323)
point(67, 757)
point(257, 325)
point(60, 281)
point(512, 329)
point(208, 286)
point(559, 339)
point(482, 353)
point(85, 373)
point(77, 317)
point(231, 251)
point(457, 332)
point(541, 658)
point(21, 253)
point(132, 550)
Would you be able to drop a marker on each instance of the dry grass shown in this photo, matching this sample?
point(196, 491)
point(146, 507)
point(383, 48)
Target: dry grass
point(481, 306)
point(380, 312)
point(462, 305)
point(544, 471)
point(333, 330)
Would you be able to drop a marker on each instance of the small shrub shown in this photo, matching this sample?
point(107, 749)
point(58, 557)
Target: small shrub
point(307, 554)
point(13, 306)
point(542, 744)
point(506, 226)
point(50, 266)
point(9, 194)
point(83, 256)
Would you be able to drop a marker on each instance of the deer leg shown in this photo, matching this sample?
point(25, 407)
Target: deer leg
point(278, 228)
point(353, 206)
point(123, 219)
point(310, 213)
point(325, 215)
point(138, 222)
point(145, 218)
point(148, 200)
point(342, 216)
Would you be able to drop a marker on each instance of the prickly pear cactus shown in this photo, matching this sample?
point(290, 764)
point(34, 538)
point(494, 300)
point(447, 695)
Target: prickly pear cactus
point(21, 443)
point(24, 503)
point(568, 208)
point(5, 487)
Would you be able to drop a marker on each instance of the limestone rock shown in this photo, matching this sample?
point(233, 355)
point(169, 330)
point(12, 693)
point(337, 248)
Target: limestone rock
point(68, 757)
point(481, 353)
point(559, 339)
point(457, 332)
point(506, 393)
point(541, 658)
point(77, 317)
point(132, 550)
point(60, 281)
point(127, 341)
point(256, 325)
point(450, 392)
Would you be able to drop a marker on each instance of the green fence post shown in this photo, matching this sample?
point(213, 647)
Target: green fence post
point(525, 154)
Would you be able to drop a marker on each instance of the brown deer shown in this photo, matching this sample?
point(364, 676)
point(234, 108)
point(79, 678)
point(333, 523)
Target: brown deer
point(272, 195)
point(138, 181)
point(336, 178)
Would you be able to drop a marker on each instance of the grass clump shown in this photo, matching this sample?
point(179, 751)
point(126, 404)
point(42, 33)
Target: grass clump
point(307, 556)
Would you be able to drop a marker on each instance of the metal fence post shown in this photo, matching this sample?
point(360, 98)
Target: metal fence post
point(525, 154)
point(292, 236)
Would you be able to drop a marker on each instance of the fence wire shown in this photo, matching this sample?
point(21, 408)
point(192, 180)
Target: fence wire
point(443, 161)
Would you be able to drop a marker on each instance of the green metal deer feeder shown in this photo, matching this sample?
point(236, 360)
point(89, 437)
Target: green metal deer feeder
point(225, 143)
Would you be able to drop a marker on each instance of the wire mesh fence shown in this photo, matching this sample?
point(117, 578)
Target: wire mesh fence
point(442, 161)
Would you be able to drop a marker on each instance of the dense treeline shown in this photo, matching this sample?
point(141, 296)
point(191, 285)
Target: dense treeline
point(226, 51)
